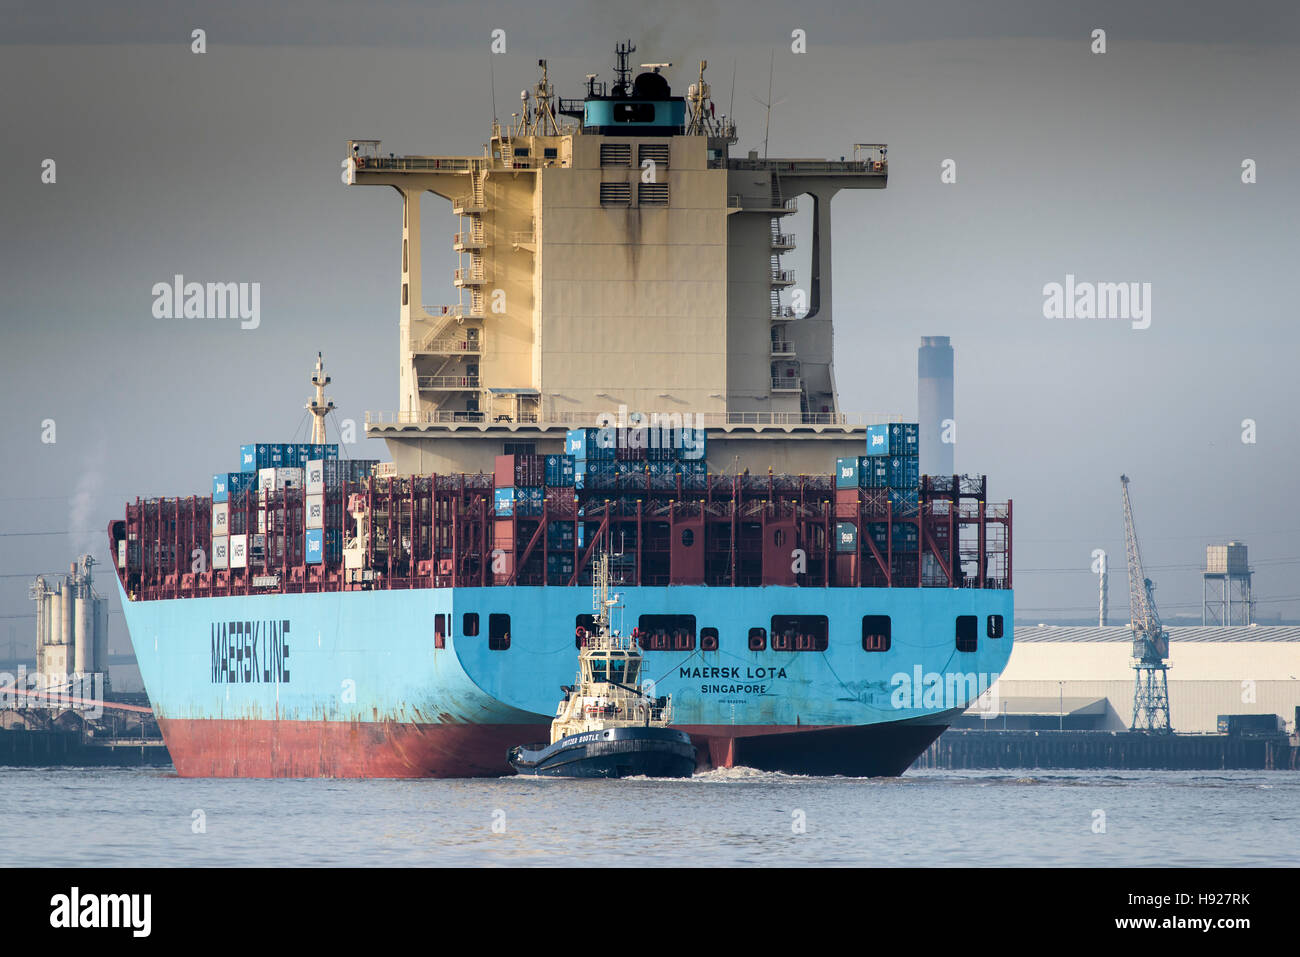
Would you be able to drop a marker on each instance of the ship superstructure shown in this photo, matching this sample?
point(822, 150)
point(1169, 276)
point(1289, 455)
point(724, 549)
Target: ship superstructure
point(614, 253)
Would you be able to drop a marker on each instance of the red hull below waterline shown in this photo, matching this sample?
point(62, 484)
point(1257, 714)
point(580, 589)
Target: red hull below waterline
point(330, 749)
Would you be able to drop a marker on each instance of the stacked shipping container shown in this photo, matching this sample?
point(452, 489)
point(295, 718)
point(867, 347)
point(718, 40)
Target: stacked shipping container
point(632, 458)
point(269, 471)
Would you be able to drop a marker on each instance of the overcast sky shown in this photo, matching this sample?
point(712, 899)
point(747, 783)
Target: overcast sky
point(1117, 167)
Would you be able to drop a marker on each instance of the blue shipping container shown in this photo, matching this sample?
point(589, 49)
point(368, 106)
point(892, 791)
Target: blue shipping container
point(691, 444)
point(846, 537)
point(590, 444)
point(220, 488)
point(873, 472)
point(904, 471)
point(315, 542)
point(560, 470)
point(904, 438)
point(846, 473)
point(238, 483)
point(248, 458)
point(877, 440)
point(505, 501)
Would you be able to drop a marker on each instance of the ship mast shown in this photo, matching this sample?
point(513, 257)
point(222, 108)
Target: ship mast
point(319, 406)
point(600, 593)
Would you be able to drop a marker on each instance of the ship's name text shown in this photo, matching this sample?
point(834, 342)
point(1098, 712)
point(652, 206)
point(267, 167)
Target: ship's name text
point(731, 672)
point(734, 673)
point(250, 652)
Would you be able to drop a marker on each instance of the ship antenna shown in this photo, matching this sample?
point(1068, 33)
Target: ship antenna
point(767, 125)
point(621, 52)
point(319, 406)
point(731, 105)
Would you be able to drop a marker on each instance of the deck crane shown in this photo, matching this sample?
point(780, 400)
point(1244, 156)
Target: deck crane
point(1150, 640)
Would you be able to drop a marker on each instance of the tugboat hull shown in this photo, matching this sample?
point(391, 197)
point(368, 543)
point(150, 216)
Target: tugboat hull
point(612, 753)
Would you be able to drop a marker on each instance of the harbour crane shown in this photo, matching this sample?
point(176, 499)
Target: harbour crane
point(1150, 640)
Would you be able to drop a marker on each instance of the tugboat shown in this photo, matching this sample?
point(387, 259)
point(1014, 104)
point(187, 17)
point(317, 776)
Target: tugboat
point(606, 727)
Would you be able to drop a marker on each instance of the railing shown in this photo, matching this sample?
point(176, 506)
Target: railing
point(450, 344)
point(807, 166)
point(448, 381)
point(786, 312)
point(787, 384)
point(781, 346)
point(468, 239)
point(523, 239)
point(762, 202)
point(707, 419)
point(470, 275)
point(454, 311)
point(783, 240)
point(462, 204)
point(449, 164)
point(783, 276)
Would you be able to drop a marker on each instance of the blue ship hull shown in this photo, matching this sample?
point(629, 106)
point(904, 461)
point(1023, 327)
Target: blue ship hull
point(357, 683)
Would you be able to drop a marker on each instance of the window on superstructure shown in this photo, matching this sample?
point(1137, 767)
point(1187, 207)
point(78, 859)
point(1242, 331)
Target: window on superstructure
point(615, 194)
point(521, 150)
point(708, 639)
point(550, 153)
point(615, 154)
point(521, 448)
point(439, 631)
point(967, 632)
point(666, 632)
point(995, 626)
point(634, 112)
point(876, 632)
point(800, 632)
point(498, 632)
point(652, 194)
point(656, 153)
point(758, 639)
point(584, 626)
point(469, 624)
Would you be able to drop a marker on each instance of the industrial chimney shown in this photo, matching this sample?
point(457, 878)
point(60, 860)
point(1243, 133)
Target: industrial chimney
point(934, 405)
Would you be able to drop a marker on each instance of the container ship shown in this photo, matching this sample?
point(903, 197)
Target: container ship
point(631, 371)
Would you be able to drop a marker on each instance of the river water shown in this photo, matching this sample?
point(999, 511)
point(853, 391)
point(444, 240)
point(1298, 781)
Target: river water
point(133, 817)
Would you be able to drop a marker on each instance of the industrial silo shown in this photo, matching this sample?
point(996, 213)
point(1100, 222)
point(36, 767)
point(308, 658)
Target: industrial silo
point(84, 632)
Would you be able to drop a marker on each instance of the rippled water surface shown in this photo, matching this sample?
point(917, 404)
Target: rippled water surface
point(112, 817)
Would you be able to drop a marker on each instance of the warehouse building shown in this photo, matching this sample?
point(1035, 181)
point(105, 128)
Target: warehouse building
point(1081, 678)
